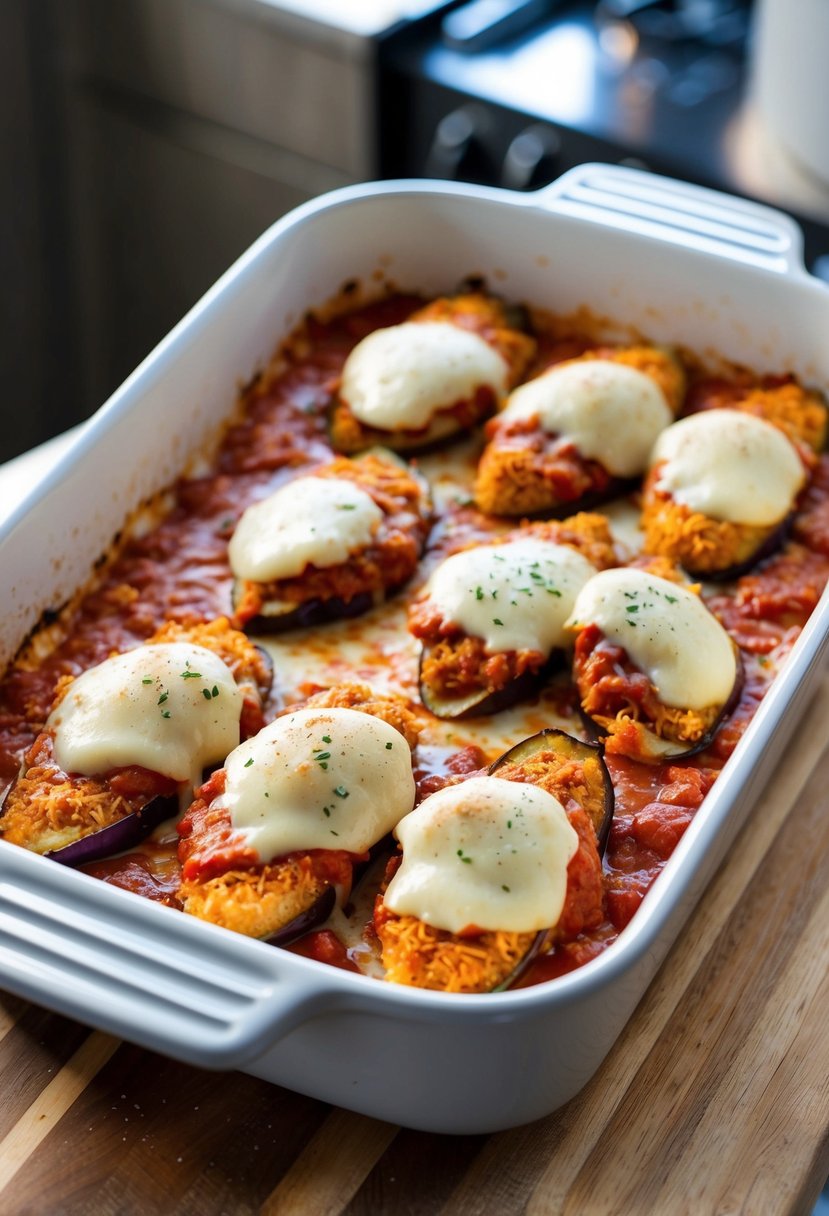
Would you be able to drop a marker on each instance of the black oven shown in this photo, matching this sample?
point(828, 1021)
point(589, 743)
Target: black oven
point(514, 92)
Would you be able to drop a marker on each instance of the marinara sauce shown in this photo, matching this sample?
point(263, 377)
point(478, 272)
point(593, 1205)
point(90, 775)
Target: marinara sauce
point(178, 570)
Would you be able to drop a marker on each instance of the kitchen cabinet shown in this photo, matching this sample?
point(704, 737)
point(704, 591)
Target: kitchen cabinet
point(189, 127)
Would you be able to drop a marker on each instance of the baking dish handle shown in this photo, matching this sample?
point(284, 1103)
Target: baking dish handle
point(677, 211)
point(141, 971)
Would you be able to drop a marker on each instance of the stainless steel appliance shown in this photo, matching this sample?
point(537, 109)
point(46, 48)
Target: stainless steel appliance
point(514, 92)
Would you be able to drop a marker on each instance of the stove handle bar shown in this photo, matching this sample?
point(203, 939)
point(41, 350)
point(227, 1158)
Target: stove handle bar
point(143, 972)
point(676, 211)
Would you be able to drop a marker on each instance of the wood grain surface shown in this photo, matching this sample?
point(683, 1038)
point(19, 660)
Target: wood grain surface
point(714, 1100)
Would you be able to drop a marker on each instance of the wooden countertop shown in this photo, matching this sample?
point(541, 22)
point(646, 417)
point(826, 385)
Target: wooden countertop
point(714, 1100)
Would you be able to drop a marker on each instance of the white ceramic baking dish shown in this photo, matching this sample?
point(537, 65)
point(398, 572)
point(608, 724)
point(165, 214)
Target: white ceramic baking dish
point(682, 264)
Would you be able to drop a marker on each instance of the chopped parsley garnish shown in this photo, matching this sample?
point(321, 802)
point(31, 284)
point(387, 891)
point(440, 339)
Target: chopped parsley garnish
point(326, 810)
point(165, 713)
point(190, 675)
point(632, 608)
point(466, 860)
point(214, 691)
point(389, 746)
point(248, 763)
point(504, 887)
point(162, 698)
point(496, 621)
point(326, 738)
point(147, 680)
point(479, 593)
point(341, 791)
point(347, 506)
point(205, 692)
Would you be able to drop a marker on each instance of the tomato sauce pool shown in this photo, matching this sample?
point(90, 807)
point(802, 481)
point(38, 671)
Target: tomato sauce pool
point(178, 570)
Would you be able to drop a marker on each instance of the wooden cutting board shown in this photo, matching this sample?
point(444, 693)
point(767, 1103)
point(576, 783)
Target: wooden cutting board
point(714, 1100)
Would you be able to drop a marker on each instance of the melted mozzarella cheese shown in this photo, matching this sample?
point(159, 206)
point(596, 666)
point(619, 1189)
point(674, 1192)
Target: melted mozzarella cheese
point(172, 708)
point(486, 852)
point(515, 596)
point(316, 521)
point(610, 412)
point(666, 630)
point(319, 779)
point(730, 466)
point(398, 378)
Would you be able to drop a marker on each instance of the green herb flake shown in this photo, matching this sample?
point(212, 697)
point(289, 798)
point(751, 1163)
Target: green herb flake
point(347, 506)
point(326, 738)
point(497, 621)
point(165, 713)
point(214, 692)
point(341, 791)
point(389, 746)
point(147, 680)
point(479, 593)
point(162, 698)
point(466, 860)
point(205, 692)
point(248, 763)
point(504, 887)
point(190, 675)
point(326, 810)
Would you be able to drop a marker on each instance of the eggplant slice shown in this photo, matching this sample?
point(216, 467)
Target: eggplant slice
point(313, 916)
point(660, 750)
point(540, 758)
point(560, 748)
point(739, 553)
point(117, 837)
point(505, 328)
point(102, 842)
point(412, 515)
point(483, 701)
point(278, 616)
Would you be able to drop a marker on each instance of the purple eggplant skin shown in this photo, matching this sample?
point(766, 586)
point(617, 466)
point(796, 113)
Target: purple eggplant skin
point(116, 837)
point(314, 915)
point(589, 755)
point(683, 753)
point(537, 946)
point(309, 613)
point(267, 659)
point(484, 701)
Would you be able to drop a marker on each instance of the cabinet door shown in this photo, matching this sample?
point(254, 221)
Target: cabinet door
point(161, 204)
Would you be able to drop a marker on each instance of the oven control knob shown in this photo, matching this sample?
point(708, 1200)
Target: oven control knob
point(531, 158)
point(457, 144)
